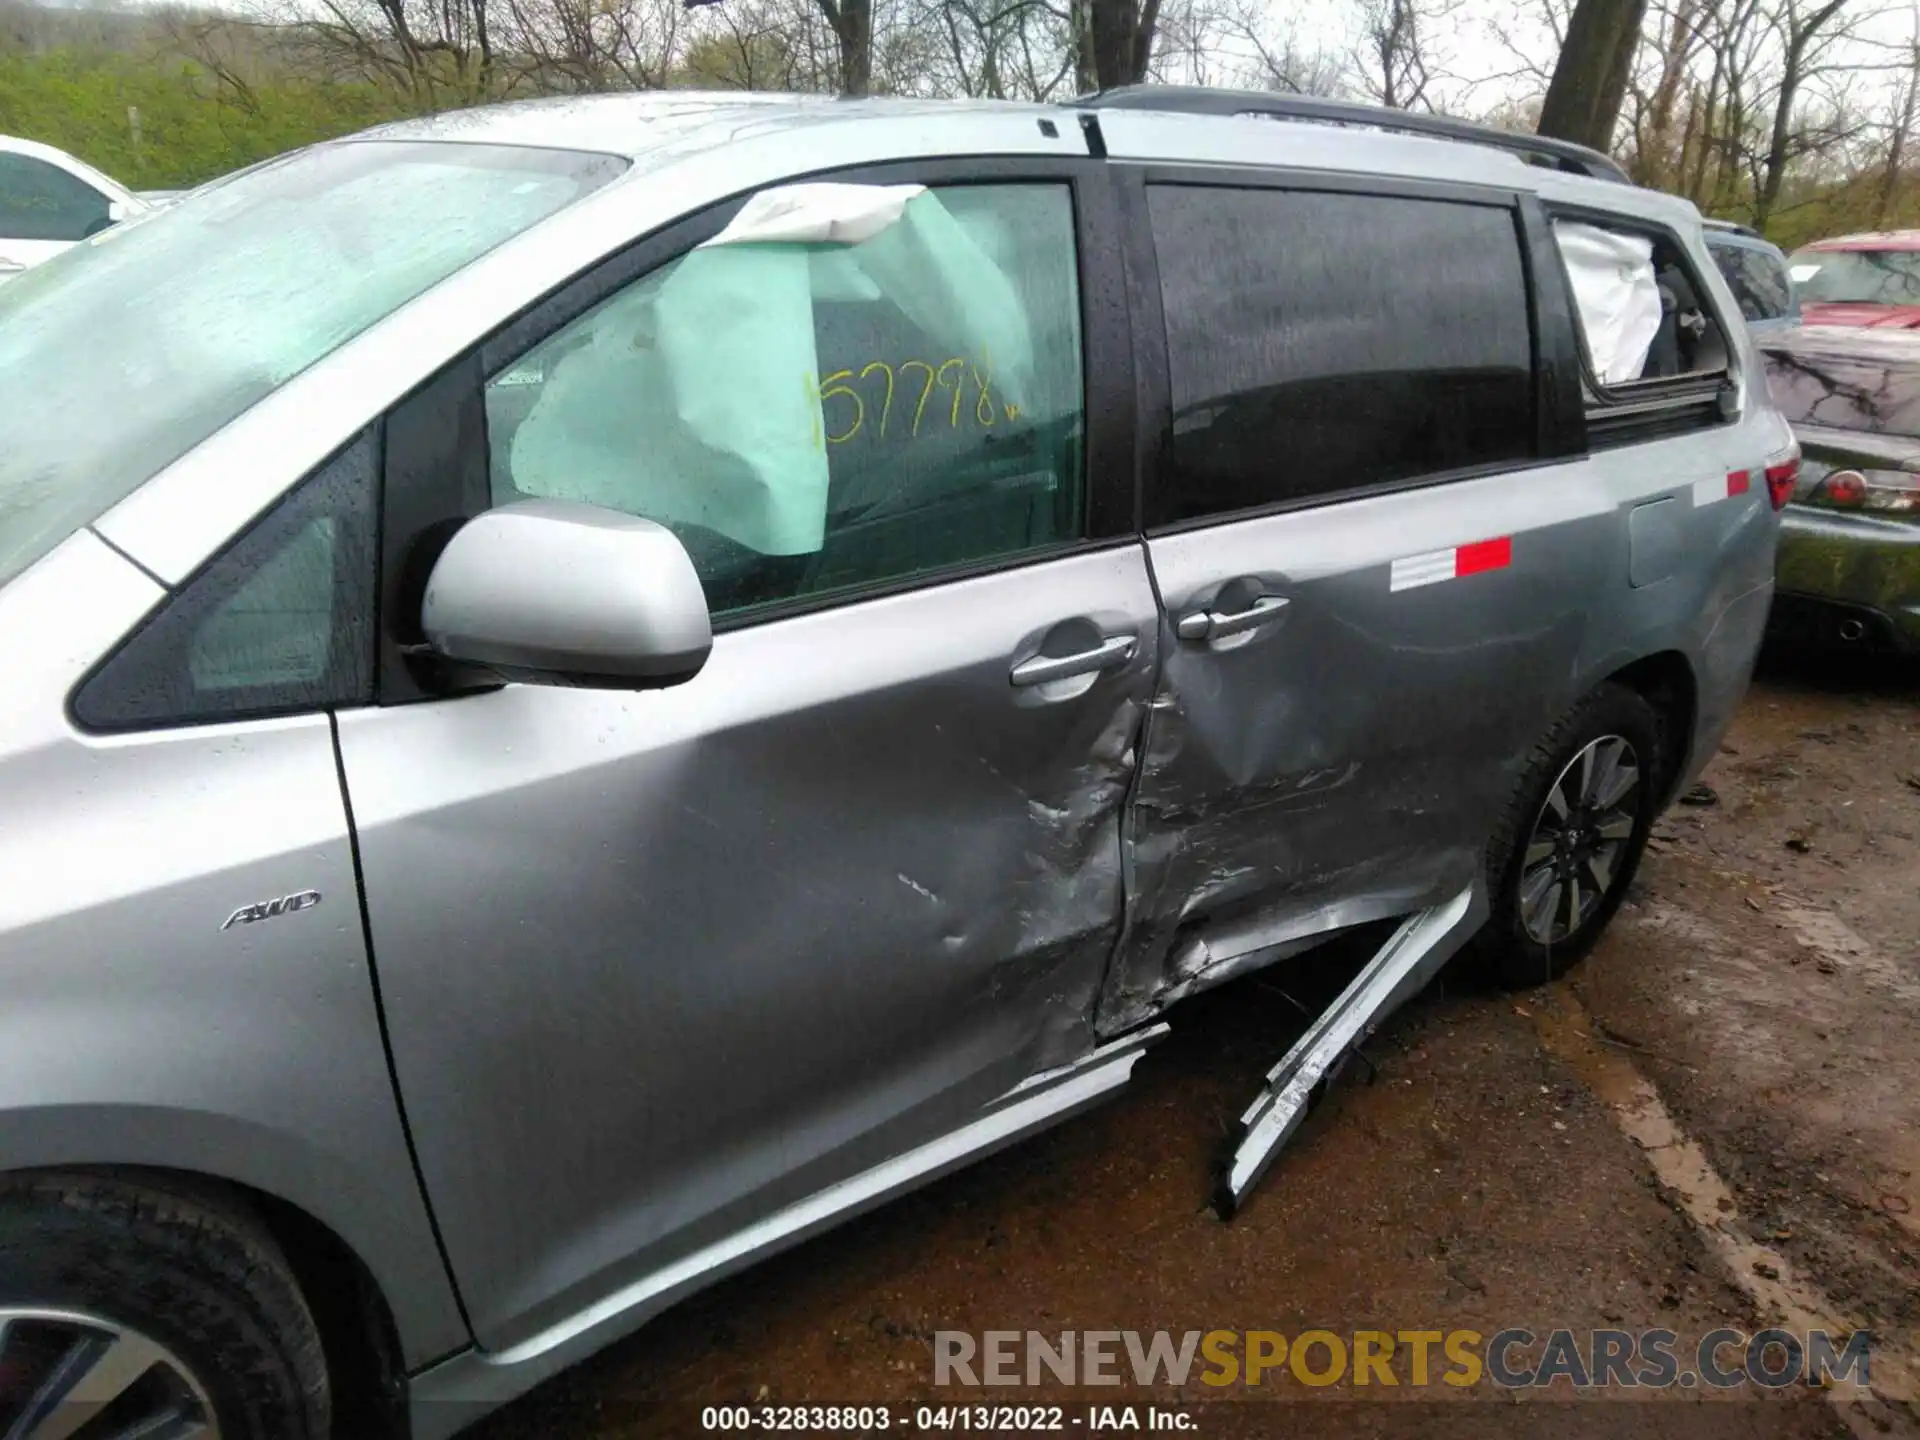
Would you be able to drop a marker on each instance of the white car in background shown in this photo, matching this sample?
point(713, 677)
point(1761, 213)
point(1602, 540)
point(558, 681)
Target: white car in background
point(49, 201)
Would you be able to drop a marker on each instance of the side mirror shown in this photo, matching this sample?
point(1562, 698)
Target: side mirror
point(116, 211)
point(554, 592)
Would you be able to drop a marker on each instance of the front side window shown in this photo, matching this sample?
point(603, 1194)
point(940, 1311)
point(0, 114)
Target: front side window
point(1861, 277)
point(1321, 343)
point(851, 385)
point(125, 352)
point(39, 201)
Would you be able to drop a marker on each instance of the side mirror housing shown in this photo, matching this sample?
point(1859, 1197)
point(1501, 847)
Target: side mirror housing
point(554, 592)
point(116, 211)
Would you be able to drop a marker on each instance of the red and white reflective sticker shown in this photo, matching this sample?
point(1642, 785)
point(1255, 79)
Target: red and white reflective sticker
point(1738, 482)
point(1462, 560)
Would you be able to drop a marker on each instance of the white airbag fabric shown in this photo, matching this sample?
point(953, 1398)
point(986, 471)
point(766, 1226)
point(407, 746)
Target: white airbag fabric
point(696, 395)
point(1617, 295)
point(822, 214)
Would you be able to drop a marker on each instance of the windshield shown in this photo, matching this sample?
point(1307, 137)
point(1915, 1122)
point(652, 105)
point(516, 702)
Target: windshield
point(1845, 394)
point(126, 351)
point(1869, 277)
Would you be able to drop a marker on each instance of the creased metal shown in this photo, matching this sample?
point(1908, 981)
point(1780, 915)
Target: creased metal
point(1399, 970)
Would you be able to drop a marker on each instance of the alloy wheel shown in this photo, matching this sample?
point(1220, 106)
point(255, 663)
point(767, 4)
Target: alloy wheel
point(71, 1376)
point(1578, 840)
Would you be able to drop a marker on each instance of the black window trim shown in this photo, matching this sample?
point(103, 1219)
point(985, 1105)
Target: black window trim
point(186, 593)
point(445, 418)
point(1150, 361)
point(1703, 400)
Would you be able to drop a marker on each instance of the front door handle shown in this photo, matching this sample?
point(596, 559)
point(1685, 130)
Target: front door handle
point(1104, 656)
point(1212, 624)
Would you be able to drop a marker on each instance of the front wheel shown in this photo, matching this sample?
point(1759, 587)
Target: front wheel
point(1562, 859)
point(134, 1310)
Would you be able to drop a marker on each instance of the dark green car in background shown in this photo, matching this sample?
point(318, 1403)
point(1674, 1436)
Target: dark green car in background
point(1849, 565)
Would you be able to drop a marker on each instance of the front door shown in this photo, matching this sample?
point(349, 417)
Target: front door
point(1374, 590)
point(657, 964)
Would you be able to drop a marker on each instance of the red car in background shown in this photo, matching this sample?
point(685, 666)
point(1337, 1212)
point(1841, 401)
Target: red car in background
point(1871, 280)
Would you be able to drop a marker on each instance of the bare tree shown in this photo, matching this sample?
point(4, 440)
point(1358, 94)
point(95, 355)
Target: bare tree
point(1906, 100)
point(1393, 59)
point(1806, 30)
point(585, 45)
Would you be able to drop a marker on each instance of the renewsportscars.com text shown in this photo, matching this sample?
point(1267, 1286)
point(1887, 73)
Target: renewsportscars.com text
point(1515, 1358)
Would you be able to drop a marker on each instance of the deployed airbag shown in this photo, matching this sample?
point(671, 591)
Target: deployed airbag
point(695, 395)
point(1615, 291)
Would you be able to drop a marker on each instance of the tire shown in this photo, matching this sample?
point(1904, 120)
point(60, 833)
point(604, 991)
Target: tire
point(1516, 947)
point(170, 1300)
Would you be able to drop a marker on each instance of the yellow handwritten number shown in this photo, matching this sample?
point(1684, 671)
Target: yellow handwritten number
point(886, 409)
point(919, 409)
point(834, 387)
point(983, 404)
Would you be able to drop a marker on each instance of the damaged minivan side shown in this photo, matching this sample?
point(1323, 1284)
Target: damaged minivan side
point(760, 660)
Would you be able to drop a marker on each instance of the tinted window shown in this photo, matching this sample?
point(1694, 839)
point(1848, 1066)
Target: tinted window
point(809, 417)
point(1757, 279)
point(1845, 394)
point(1318, 343)
point(39, 201)
point(1871, 277)
point(283, 621)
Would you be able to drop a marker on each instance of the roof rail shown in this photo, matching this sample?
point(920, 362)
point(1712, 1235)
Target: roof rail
point(1202, 100)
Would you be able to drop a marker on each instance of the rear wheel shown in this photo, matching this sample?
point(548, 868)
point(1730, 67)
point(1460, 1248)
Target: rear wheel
point(131, 1311)
point(1562, 860)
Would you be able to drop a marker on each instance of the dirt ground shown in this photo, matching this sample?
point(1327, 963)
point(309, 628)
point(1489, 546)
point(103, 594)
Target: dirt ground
point(1714, 1121)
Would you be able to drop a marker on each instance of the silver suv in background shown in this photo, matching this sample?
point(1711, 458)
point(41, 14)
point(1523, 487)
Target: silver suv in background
point(549, 755)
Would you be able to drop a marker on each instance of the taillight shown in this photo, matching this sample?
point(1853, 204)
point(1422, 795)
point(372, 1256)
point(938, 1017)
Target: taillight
point(1780, 479)
point(1884, 491)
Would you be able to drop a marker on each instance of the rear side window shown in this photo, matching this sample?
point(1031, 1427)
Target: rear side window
point(1758, 280)
point(1323, 343)
point(1655, 352)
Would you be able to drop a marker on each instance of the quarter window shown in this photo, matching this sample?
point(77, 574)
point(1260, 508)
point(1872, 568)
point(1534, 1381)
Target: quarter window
point(1322, 343)
point(850, 386)
point(39, 201)
point(280, 622)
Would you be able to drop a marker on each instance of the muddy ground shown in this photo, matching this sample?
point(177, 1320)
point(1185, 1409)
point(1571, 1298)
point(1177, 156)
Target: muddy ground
point(1714, 1121)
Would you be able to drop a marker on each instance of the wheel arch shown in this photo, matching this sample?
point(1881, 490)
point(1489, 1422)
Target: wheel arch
point(356, 1323)
point(335, 1224)
point(1666, 681)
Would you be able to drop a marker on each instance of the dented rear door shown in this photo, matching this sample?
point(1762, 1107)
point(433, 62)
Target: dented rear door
point(1374, 590)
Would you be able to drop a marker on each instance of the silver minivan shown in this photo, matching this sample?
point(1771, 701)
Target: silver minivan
point(596, 686)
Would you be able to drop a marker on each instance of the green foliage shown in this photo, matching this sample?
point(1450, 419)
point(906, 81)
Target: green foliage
point(191, 128)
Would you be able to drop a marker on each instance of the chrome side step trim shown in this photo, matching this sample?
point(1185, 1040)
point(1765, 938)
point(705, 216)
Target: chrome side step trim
point(1398, 971)
point(454, 1393)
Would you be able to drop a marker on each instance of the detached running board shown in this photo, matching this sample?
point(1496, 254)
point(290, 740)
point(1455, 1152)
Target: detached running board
point(1399, 970)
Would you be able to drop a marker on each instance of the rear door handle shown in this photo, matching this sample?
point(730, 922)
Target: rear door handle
point(1212, 624)
point(1104, 656)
